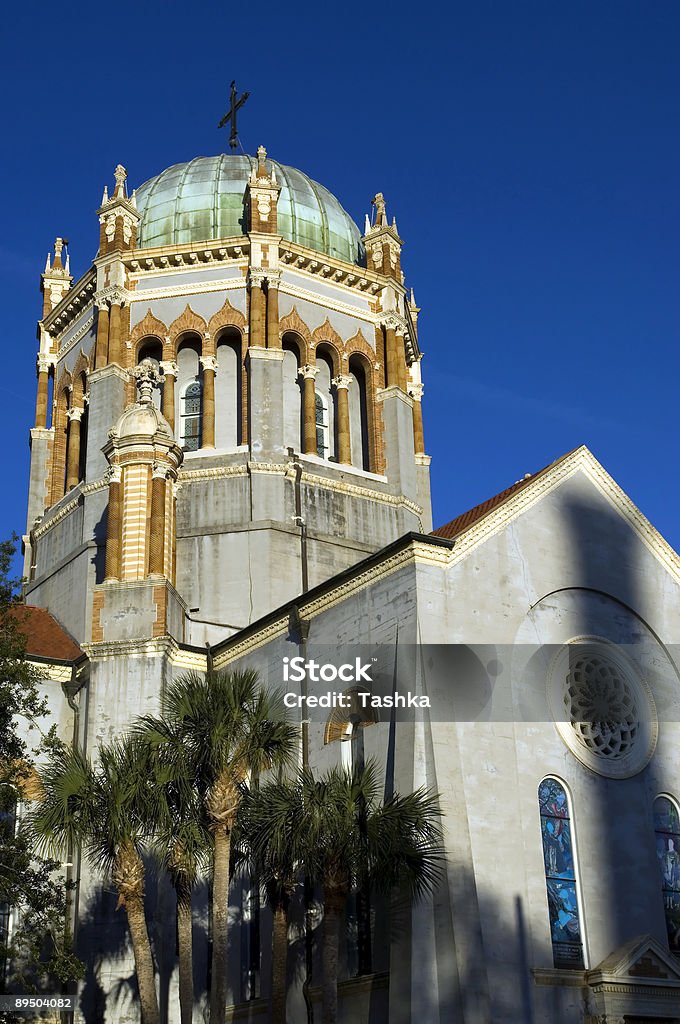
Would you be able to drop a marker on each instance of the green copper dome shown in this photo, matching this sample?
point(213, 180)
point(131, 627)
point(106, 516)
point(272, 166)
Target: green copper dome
point(203, 199)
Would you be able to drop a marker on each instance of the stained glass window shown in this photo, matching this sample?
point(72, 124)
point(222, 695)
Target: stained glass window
point(667, 830)
point(191, 416)
point(322, 439)
point(560, 875)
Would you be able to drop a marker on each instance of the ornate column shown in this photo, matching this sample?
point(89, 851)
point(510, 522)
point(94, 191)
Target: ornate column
point(257, 310)
point(73, 447)
point(308, 374)
point(102, 348)
point(113, 524)
point(157, 525)
point(273, 339)
point(344, 447)
point(169, 369)
point(114, 331)
point(416, 393)
point(44, 364)
point(209, 365)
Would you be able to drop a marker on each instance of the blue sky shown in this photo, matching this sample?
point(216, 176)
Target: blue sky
point(529, 151)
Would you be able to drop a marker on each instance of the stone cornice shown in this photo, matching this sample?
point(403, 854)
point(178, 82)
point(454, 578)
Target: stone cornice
point(199, 288)
point(78, 336)
point(66, 311)
point(82, 490)
point(288, 288)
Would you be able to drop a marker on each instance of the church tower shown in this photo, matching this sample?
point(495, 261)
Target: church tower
point(235, 409)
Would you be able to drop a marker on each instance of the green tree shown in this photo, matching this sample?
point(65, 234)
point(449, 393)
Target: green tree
point(105, 809)
point(38, 955)
point(337, 827)
point(231, 729)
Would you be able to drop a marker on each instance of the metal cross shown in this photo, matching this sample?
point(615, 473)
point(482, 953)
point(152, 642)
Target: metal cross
point(231, 114)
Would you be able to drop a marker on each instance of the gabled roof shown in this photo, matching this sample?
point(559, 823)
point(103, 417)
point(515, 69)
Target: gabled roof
point(463, 522)
point(45, 637)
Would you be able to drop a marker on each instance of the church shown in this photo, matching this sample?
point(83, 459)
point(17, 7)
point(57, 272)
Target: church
point(228, 468)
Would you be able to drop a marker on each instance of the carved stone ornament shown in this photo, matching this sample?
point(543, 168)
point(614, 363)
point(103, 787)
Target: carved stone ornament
point(147, 378)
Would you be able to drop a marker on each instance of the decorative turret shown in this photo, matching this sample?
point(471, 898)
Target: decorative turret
point(382, 242)
point(55, 280)
point(143, 457)
point(118, 217)
point(263, 194)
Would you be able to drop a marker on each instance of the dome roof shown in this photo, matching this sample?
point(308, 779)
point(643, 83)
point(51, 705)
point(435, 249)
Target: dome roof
point(203, 200)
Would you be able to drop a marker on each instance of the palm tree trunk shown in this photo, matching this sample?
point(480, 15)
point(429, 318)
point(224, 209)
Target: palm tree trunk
point(185, 942)
point(279, 964)
point(332, 908)
point(220, 910)
point(134, 906)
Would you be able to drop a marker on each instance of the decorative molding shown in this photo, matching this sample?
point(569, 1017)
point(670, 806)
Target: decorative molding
point(149, 326)
point(177, 291)
point(211, 473)
point(327, 302)
point(227, 316)
point(79, 334)
point(187, 321)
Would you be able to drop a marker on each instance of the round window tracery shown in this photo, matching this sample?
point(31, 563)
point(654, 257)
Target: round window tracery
point(602, 708)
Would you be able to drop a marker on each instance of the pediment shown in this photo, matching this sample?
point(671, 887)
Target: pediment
point(643, 960)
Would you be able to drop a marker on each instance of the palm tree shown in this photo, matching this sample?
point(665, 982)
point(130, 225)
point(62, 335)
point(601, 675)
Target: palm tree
point(181, 839)
point(230, 729)
point(336, 825)
point(272, 847)
point(103, 810)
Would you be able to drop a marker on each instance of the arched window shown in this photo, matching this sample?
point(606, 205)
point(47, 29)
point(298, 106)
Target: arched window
point(190, 416)
point(560, 875)
point(667, 830)
point(323, 442)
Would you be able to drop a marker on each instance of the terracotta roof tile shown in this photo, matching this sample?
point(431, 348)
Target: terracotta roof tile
point(463, 522)
point(45, 638)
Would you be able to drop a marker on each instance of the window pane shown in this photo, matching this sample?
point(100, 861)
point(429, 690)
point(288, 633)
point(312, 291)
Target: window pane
point(667, 830)
point(560, 876)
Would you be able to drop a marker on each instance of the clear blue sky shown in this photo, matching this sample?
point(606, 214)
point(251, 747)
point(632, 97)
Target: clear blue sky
point(528, 149)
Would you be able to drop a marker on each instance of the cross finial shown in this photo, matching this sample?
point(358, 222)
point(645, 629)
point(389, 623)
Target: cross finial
point(230, 116)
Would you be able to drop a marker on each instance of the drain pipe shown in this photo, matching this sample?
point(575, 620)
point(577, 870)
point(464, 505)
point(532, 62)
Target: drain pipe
point(71, 689)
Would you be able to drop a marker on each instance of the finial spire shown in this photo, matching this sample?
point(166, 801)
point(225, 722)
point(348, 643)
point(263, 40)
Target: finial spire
point(58, 246)
point(261, 165)
point(120, 174)
point(380, 209)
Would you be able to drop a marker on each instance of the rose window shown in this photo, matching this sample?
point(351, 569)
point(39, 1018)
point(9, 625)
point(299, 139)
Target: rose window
point(601, 705)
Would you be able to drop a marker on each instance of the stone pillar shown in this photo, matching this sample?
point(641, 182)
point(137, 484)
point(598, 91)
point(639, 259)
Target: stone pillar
point(416, 393)
point(209, 364)
point(273, 339)
point(114, 333)
point(118, 242)
point(344, 447)
point(113, 524)
point(309, 443)
point(157, 525)
point(102, 349)
point(392, 371)
point(43, 389)
point(257, 313)
point(73, 464)
point(169, 369)
point(402, 368)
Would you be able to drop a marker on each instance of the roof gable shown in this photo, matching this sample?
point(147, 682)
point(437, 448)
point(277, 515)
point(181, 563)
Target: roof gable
point(493, 515)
